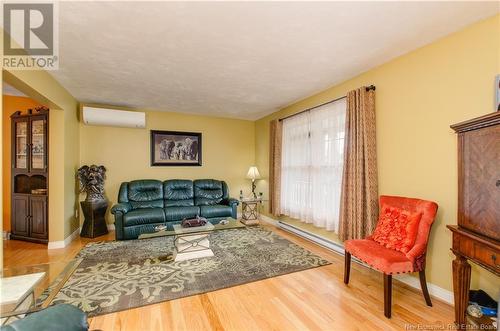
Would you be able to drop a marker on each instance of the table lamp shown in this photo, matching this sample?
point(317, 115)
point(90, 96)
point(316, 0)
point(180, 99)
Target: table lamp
point(253, 174)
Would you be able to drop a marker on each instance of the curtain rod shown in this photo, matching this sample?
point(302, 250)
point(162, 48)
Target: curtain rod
point(368, 88)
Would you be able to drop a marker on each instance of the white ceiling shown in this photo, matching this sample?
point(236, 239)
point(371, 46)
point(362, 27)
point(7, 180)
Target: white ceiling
point(10, 90)
point(238, 59)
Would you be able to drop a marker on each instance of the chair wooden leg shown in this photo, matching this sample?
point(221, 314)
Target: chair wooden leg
point(387, 295)
point(347, 267)
point(425, 291)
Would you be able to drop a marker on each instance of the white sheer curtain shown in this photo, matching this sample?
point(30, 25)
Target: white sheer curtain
point(311, 166)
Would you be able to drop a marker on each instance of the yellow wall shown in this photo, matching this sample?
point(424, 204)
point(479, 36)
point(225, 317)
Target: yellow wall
point(71, 165)
point(1, 167)
point(228, 151)
point(63, 145)
point(11, 104)
point(418, 96)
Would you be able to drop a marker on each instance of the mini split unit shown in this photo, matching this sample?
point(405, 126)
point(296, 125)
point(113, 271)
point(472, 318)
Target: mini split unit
point(113, 117)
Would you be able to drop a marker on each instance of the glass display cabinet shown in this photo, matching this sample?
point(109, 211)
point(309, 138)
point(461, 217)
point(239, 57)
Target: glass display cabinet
point(29, 175)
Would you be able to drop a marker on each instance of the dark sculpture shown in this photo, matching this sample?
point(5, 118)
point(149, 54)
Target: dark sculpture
point(91, 179)
point(92, 182)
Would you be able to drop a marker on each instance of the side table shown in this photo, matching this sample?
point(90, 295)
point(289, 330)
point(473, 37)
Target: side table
point(250, 211)
point(94, 224)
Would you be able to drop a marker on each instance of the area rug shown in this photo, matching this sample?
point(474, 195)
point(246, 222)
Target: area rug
point(120, 275)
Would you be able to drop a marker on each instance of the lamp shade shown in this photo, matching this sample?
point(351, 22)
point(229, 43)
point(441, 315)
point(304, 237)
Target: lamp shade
point(253, 173)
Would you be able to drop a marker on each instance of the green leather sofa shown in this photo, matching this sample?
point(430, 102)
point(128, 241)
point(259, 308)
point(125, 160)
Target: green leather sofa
point(144, 204)
point(61, 317)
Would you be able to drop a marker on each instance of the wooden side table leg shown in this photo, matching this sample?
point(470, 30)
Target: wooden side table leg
point(461, 284)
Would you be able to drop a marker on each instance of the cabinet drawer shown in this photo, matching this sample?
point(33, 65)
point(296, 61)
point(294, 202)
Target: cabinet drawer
point(478, 249)
point(486, 255)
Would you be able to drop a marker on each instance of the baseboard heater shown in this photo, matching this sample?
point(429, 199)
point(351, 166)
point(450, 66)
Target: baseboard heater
point(331, 245)
point(319, 240)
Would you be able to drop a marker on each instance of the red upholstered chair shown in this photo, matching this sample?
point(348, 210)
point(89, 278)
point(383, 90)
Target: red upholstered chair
point(390, 261)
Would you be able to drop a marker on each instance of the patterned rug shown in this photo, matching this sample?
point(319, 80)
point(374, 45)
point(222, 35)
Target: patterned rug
point(120, 275)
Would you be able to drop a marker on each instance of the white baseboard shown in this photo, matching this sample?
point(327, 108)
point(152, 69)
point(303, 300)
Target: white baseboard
point(5, 235)
point(65, 242)
point(434, 290)
point(71, 237)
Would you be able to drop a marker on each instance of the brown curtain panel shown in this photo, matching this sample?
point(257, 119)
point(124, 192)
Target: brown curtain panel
point(359, 195)
point(275, 167)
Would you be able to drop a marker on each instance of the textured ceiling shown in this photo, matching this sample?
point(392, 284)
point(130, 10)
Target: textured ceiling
point(238, 59)
point(10, 90)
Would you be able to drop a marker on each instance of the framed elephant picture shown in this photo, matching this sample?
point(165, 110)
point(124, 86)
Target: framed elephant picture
point(173, 148)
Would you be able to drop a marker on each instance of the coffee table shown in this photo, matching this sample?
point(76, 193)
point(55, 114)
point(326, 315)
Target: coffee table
point(26, 289)
point(192, 243)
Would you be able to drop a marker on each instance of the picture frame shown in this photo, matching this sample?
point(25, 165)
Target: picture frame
point(175, 148)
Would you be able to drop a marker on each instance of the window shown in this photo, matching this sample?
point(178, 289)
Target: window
point(312, 164)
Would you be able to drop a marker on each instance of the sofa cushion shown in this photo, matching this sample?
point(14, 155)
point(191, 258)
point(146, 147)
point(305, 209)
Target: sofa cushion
point(144, 216)
point(215, 211)
point(179, 213)
point(209, 192)
point(178, 193)
point(145, 193)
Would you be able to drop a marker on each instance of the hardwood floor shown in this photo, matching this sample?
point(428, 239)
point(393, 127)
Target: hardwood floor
point(314, 299)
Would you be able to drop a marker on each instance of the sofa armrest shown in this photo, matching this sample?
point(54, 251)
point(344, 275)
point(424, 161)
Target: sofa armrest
point(231, 202)
point(119, 210)
point(123, 207)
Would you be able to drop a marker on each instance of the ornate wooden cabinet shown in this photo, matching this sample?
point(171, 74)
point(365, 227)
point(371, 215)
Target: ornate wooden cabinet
point(477, 235)
point(29, 213)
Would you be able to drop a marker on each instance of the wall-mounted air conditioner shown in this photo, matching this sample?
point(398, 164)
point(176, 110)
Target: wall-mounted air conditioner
point(113, 117)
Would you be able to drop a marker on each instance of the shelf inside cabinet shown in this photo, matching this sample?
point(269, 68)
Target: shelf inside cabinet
point(26, 184)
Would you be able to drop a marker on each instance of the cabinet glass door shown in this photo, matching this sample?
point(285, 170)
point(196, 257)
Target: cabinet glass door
point(21, 145)
point(38, 144)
